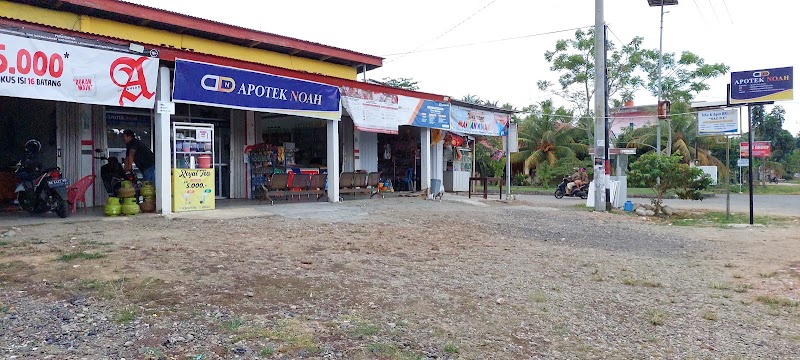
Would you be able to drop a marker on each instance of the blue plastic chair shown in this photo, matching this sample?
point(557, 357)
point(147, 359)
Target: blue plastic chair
point(409, 180)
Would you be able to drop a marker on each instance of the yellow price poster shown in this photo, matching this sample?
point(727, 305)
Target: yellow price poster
point(192, 189)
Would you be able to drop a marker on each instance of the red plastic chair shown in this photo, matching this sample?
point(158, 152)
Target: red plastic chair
point(77, 192)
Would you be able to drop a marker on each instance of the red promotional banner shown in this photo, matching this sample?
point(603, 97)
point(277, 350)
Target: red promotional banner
point(49, 67)
point(760, 149)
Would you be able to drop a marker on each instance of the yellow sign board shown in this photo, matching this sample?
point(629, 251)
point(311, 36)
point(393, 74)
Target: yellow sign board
point(192, 189)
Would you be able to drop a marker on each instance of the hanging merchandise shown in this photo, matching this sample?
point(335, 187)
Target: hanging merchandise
point(387, 152)
point(456, 140)
point(436, 136)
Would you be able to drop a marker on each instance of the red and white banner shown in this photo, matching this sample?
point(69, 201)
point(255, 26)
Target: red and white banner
point(55, 70)
point(760, 149)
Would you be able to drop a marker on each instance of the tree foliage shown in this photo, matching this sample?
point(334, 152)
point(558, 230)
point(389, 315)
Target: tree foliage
point(402, 83)
point(546, 135)
point(573, 60)
point(673, 173)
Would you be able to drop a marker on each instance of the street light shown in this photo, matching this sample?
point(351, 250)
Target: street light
point(661, 4)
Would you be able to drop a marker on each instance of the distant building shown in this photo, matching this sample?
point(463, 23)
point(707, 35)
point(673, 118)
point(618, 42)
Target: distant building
point(631, 117)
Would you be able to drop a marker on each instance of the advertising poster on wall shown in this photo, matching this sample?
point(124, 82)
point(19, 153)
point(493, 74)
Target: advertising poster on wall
point(216, 85)
point(478, 122)
point(38, 65)
point(384, 113)
point(192, 189)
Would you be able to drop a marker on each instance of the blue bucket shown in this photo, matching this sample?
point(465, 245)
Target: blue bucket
point(628, 206)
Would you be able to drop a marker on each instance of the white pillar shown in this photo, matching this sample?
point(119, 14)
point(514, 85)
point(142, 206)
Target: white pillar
point(333, 161)
point(425, 159)
point(437, 165)
point(162, 146)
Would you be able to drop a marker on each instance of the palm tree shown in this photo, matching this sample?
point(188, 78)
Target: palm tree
point(547, 134)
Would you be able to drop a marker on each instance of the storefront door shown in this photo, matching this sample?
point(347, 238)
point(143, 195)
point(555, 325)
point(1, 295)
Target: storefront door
point(222, 157)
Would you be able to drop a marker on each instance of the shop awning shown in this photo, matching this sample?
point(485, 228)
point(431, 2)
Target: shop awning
point(384, 112)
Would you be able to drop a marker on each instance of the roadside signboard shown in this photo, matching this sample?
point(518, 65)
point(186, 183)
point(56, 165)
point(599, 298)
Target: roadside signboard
point(743, 162)
point(760, 149)
point(718, 122)
point(755, 86)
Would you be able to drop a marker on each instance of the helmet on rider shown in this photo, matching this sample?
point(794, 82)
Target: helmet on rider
point(33, 146)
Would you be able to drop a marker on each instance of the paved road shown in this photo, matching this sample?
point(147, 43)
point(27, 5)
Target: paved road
point(785, 205)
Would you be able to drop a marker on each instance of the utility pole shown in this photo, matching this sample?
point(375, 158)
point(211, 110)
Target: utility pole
point(660, 64)
point(599, 107)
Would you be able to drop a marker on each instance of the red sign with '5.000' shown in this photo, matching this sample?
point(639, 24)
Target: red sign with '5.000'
point(760, 149)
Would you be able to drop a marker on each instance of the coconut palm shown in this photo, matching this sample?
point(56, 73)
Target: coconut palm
point(547, 134)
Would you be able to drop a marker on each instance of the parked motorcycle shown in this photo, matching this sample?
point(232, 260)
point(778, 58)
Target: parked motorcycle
point(577, 191)
point(113, 174)
point(40, 191)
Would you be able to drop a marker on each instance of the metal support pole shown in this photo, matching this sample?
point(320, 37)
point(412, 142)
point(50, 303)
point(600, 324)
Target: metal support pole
point(605, 118)
point(599, 107)
point(750, 156)
point(660, 64)
point(508, 162)
point(728, 181)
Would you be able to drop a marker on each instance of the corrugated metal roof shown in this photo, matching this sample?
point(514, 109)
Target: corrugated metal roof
point(141, 15)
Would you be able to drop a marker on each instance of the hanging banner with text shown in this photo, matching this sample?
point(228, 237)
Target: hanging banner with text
point(766, 85)
point(478, 122)
point(38, 65)
point(718, 122)
point(383, 113)
point(222, 86)
point(760, 149)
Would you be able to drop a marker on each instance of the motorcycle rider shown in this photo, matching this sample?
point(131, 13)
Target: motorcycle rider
point(572, 180)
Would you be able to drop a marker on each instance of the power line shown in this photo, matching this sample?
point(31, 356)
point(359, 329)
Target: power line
point(727, 11)
point(446, 32)
point(713, 10)
point(486, 42)
point(615, 35)
point(699, 11)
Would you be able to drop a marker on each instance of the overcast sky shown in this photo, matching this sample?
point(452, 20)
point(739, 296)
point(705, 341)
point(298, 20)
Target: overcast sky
point(744, 34)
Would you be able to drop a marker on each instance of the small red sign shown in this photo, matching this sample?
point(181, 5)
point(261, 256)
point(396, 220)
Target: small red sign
point(760, 149)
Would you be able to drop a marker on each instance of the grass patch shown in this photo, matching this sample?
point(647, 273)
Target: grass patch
point(4, 243)
point(95, 243)
point(266, 351)
point(710, 315)
point(720, 286)
point(598, 278)
point(146, 290)
point(388, 351)
point(761, 190)
point(80, 256)
point(640, 282)
point(657, 317)
point(290, 332)
point(777, 301)
point(768, 274)
point(718, 218)
point(728, 265)
point(539, 297)
point(450, 348)
point(233, 324)
point(742, 288)
point(125, 316)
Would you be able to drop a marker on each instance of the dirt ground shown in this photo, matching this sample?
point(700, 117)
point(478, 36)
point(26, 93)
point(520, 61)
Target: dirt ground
point(399, 278)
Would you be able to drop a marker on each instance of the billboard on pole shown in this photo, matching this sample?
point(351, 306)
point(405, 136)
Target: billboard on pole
point(755, 86)
point(760, 149)
point(718, 122)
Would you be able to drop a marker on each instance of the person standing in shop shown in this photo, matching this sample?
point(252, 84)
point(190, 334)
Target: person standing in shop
point(140, 155)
